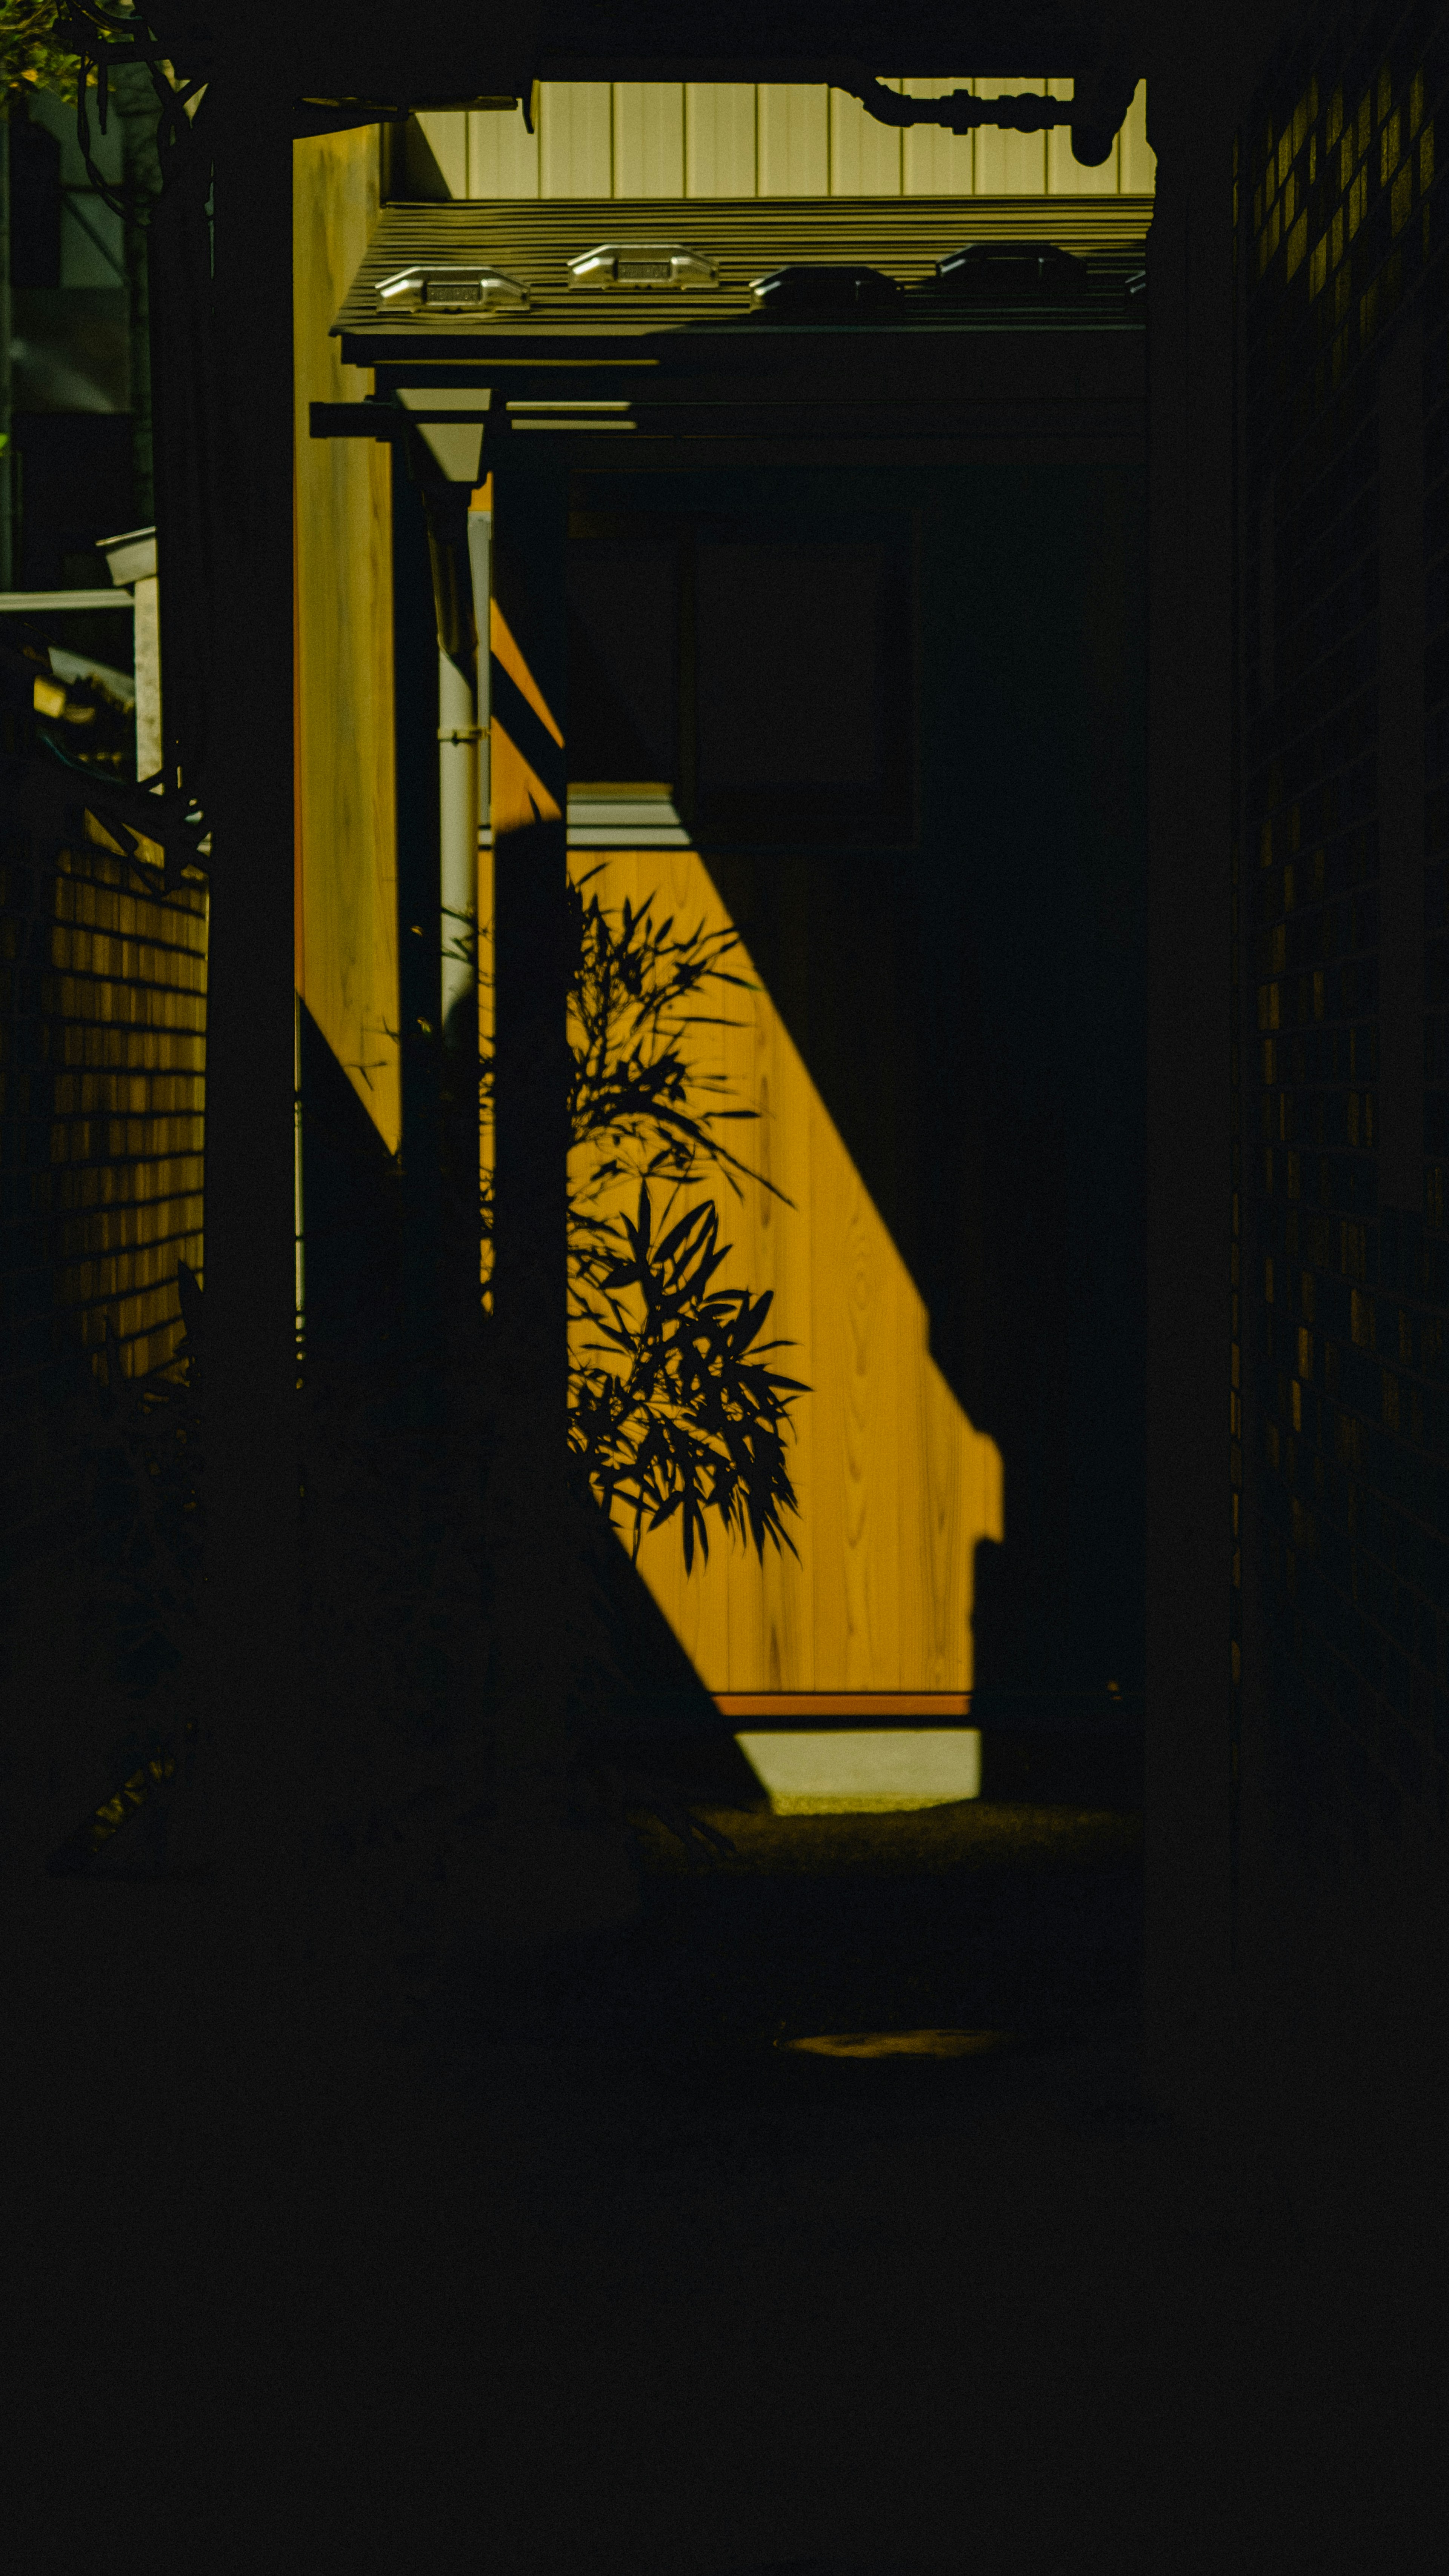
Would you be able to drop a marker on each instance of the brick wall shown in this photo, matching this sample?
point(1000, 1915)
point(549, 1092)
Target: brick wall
point(104, 1009)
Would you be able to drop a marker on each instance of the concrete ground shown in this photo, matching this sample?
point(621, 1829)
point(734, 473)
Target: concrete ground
point(605, 2283)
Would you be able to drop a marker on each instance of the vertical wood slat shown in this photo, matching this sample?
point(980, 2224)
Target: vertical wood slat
point(794, 139)
point(856, 1327)
point(772, 1623)
point(719, 139)
point(740, 139)
point(1009, 164)
point(894, 1485)
point(503, 158)
point(446, 130)
point(935, 162)
point(648, 138)
point(865, 156)
point(345, 793)
point(576, 139)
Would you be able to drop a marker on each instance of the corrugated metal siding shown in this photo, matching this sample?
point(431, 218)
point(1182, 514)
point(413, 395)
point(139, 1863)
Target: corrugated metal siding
point(744, 236)
point(768, 139)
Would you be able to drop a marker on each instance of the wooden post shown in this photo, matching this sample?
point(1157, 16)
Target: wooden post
point(550, 1867)
point(258, 1734)
point(415, 700)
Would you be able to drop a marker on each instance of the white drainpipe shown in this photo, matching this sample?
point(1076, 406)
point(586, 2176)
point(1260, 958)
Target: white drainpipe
point(463, 791)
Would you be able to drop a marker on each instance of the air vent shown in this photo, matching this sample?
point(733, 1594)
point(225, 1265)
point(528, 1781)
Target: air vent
point(808, 292)
point(642, 264)
point(1011, 273)
point(452, 290)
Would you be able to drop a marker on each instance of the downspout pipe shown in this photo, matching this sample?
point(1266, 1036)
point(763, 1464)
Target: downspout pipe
point(445, 456)
point(445, 460)
point(458, 808)
point(1102, 94)
point(463, 787)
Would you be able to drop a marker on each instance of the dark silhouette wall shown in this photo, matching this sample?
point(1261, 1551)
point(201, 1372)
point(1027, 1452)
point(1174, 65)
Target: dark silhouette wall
point(1344, 976)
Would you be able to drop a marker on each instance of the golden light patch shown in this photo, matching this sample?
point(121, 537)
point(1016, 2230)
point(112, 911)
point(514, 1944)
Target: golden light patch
point(519, 794)
point(899, 2043)
point(506, 650)
point(908, 1804)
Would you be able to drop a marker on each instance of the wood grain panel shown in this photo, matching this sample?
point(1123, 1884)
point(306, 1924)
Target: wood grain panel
point(894, 1485)
point(346, 837)
point(833, 1708)
point(772, 1607)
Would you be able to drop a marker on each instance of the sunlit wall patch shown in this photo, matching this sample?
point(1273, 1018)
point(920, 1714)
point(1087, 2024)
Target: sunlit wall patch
point(860, 1771)
point(897, 2043)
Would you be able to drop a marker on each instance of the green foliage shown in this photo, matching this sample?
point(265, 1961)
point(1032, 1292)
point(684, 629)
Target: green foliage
point(31, 48)
point(39, 40)
point(689, 1422)
point(675, 1412)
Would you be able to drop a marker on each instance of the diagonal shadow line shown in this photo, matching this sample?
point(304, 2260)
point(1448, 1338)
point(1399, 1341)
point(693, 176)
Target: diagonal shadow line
point(529, 734)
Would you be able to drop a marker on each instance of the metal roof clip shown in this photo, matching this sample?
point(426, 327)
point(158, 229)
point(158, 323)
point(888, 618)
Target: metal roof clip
point(643, 264)
point(452, 289)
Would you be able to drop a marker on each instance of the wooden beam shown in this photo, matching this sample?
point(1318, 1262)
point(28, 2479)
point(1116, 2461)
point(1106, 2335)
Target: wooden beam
point(258, 1736)
point(548, 1870)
